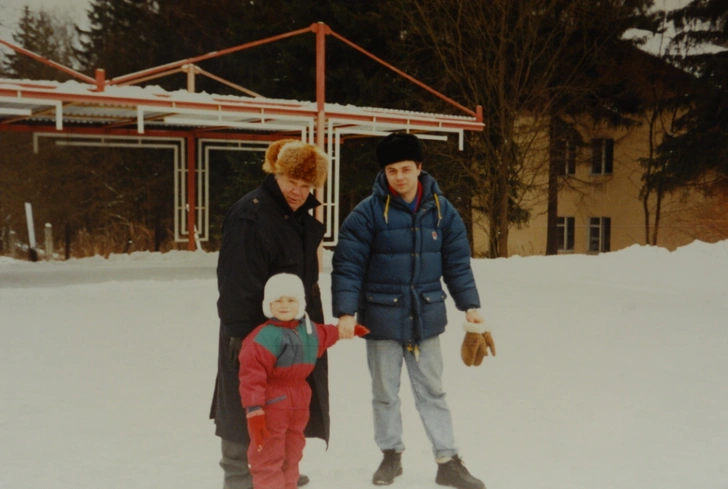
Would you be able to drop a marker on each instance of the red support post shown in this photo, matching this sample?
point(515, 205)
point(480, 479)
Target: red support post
point(403, 74)
point(125, 79)
point(321, 30)
point(100, 79)
point(191, 157)
point(58, 66)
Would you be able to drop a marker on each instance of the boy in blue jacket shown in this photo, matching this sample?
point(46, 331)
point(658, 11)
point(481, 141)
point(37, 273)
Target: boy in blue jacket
point(393, 250)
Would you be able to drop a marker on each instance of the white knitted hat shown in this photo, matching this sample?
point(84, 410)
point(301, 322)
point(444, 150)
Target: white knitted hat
point(284, 285)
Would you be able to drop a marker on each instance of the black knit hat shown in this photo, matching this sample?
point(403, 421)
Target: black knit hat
point(399, 147)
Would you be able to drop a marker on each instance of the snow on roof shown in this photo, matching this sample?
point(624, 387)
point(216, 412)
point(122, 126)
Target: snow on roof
point(32, 102)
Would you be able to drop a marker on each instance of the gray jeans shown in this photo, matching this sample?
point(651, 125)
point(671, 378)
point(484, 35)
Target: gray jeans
point(234, 464)
point(385, 360)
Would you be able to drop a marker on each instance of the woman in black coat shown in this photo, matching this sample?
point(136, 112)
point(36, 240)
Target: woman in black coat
point(268, 231)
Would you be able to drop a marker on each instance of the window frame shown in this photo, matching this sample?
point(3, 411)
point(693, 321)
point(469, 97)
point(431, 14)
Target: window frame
point(566, 156)
point(599, 239)
point(602, 156)
point(566, 227)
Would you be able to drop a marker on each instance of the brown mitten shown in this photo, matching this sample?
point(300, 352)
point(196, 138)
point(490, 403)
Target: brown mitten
point(473, 349)
point(489, 343)
point(476, 344)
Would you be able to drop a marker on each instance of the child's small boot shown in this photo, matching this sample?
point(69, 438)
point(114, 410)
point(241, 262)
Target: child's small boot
point(390, 468)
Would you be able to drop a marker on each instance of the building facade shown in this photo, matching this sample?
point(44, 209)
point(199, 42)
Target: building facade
point(600, 198)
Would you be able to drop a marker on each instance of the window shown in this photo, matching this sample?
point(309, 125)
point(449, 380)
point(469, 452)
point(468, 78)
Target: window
point(565, 155)
point(600, 231)
point(565, 227)
point(602, 156)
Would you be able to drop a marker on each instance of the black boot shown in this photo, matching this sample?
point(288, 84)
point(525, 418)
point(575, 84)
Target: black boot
point(303, 480)
point(390, 468)
point(454, 474)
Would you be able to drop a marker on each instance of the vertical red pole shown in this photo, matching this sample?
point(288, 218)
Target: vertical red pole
point(100, 79)
point(191, 212)
point(321, 30)
point(190, 77)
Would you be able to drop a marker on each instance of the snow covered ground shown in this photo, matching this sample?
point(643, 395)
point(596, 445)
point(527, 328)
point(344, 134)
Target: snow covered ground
point(612, 373)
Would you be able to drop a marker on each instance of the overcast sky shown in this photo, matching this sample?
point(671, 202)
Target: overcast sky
point(11, 11)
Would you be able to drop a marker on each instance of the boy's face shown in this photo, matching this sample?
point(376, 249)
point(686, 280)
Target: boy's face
point(403, 178)
point(284, 308)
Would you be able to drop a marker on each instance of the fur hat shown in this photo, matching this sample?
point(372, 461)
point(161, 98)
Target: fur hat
point(297, 159)
point(399, 147)
point(284, 285)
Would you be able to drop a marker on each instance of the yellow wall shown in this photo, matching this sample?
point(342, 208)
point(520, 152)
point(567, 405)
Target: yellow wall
point(615, 196)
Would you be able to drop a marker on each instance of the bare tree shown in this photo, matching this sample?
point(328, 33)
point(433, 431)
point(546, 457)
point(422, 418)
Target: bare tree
point(524, 61)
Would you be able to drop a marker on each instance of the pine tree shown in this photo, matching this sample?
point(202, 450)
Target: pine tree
point(47, 36)
point(120, 38)
point(701, 144)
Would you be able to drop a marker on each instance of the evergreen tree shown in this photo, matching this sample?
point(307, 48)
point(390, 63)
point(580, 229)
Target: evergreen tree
point(46, 35)
point(699, 147)
point(120, 38)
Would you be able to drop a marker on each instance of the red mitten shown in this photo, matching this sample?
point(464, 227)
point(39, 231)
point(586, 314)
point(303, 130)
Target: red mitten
point(257, 428)
point(360, 330)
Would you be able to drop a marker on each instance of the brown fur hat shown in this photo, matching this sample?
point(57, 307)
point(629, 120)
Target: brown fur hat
point(297, 159)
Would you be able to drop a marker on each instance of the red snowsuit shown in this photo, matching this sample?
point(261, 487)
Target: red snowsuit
point(275, 360)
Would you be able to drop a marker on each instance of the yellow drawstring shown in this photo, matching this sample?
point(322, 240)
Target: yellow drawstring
point(415, 350)
point(439, 215)
point(386, 210)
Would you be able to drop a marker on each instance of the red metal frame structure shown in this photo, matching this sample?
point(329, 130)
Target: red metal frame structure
point(101, 107)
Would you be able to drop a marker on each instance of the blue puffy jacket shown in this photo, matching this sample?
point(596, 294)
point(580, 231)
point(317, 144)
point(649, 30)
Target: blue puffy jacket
point(389, 261)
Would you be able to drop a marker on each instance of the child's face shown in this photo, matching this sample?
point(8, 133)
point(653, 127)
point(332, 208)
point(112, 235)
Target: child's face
point(284, 308)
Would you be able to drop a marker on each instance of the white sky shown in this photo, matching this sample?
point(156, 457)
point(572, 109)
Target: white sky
point(610, 373)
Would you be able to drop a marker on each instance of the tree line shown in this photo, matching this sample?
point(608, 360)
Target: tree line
point(549, 60)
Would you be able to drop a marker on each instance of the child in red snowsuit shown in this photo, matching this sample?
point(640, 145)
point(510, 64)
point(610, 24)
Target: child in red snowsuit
point(275, 360)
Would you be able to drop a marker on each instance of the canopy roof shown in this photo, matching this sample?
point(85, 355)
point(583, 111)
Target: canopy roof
point(101, 112)
point(109, 105)
point(79, 107)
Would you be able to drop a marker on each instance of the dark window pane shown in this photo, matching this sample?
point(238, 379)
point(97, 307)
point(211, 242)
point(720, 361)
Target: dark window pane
point(570, 224)
point(606, 233)
point(608, 155)
point(597, 156)
point(570, 162)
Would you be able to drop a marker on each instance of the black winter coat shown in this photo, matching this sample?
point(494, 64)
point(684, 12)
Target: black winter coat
point(261, 237)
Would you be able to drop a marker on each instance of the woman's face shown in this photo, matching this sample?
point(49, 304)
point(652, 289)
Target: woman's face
point(294, 190)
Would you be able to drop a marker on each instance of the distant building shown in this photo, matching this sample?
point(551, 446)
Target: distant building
point(600, 205)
